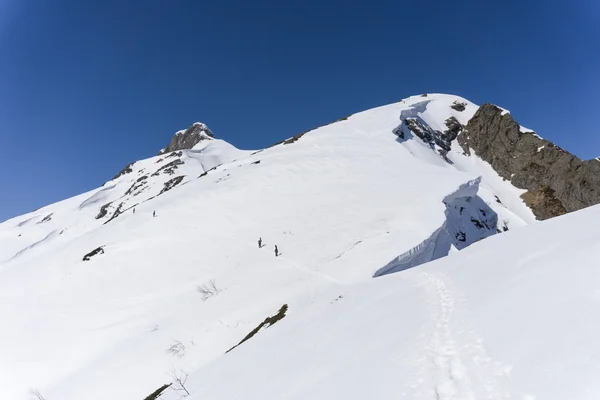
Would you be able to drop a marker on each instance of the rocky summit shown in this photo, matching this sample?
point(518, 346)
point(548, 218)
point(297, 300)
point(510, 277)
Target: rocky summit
point(188, 138)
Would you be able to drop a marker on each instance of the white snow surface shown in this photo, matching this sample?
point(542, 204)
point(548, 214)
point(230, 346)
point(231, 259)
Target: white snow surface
point(512, 317)
point(341, 203)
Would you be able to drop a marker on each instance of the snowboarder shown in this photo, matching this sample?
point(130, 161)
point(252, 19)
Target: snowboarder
point(276, 251)
point(259, 243)
point(154, 213)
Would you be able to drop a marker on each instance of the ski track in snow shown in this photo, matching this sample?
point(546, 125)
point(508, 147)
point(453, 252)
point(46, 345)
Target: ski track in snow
point(457, 364)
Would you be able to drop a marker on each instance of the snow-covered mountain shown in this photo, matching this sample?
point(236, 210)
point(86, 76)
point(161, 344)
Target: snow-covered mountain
point(102, 299)
point(512, 317)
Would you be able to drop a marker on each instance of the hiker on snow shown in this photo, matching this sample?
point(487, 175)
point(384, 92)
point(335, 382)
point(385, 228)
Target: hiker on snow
point(259, 243)
point(154, 213)
point(276, 251)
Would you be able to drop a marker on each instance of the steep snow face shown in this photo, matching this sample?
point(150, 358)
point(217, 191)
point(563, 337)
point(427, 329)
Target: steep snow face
point(511, 317)
point(340, 202)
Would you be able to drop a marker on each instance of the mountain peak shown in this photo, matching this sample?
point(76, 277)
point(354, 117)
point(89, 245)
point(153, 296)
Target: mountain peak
point(188, 138)
point(379, 192)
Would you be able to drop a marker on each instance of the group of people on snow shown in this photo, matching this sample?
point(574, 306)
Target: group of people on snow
point(260, 245)
point(153, 212)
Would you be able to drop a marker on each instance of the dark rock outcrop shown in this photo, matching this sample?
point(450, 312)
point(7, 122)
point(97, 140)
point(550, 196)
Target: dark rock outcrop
point(46, 218)
point(428, 135)
point(292, 139)
point(187, 139)
point(103, 210)
point(156, 394)
point(98, 250)
point(124, 171)
point(169, 168)
point(269, 321)
point(117, 212)
point(140, 183)
point(557, 182)
point(171, 183)
point(175, 154)
point(459, 105)
point(454, 128)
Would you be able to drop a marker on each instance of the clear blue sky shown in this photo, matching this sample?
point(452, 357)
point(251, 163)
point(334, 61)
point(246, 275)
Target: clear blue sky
point(88, 86)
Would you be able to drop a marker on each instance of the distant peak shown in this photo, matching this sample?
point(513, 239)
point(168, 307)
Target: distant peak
point(197, 126)
point(187, 138)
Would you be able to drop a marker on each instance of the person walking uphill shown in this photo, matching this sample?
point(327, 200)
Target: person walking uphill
point(259, 243)
point(276, 251)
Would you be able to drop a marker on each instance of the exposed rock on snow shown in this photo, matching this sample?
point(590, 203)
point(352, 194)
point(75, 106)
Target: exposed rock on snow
point(558, 181)
point(156, 394)
point(454, 129)
point(46, 218)
point(116, 213)
point(98, 250)
point(269, 321)
point(459, 105)
point(430, 136)
point(168, 168)
point(171, 183)
point(136, 186)
point(126, 170)
point(188, 138)
point(103, 211)
point(292, 139)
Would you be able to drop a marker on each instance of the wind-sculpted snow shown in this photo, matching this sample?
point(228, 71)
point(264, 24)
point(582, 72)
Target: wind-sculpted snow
point(100, 196)
point(215, 153)
point(27, 221)
point(47, 238)
point(468, 220)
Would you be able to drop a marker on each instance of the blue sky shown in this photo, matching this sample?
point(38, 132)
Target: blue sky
point(87, 87)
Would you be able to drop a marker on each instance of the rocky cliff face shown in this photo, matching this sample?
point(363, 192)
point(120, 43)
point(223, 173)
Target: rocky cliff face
point(556, 181)
point(188, 138)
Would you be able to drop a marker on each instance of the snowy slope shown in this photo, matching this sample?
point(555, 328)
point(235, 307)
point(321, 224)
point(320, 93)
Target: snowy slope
point(342, 202)
point(512, 317)
point(138, 183)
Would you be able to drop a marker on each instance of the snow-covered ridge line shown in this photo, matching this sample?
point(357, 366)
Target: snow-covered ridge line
point(340, 203)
